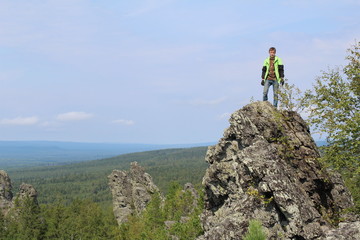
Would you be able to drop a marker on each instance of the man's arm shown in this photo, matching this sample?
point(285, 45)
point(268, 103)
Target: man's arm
point(263, 72)
point(263, 76)
point(281, 71)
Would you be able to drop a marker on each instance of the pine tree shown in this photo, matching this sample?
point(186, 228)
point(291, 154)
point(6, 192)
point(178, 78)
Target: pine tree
point(255, 231)
point(25, 220)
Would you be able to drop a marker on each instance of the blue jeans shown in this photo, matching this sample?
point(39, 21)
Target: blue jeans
point(267, 85)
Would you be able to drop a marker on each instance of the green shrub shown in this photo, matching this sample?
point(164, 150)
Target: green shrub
point(255, 231)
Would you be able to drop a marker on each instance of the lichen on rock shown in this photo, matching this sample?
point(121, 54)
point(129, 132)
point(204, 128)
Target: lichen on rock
point(131, 191)
point(5, 192)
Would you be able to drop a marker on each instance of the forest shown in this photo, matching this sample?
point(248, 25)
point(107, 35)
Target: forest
point(88, 180)
point(85, 219)
point(75, 201)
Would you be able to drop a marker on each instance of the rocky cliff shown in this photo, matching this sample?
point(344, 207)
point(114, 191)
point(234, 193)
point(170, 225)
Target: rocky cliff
point(7, 201)
point(265, 167)
point(131, 191)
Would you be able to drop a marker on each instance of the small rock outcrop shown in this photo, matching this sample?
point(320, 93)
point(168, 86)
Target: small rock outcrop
point(5, 192)
point(27, 191)
point(7, 201)
point(265, 167)
point(131, 191)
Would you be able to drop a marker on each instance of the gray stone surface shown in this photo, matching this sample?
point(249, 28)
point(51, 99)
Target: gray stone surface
point(265, 167)
point(5, 192)
point(131, 191)
point(345, 231)
point(27, 191)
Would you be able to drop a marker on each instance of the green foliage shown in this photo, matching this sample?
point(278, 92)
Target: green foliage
point(179, 208)
point(291, 98)
point(153, 215)
point(334, 107)
point(255, 231)
point(334, 110)
point(189, 229)
point(25, 221)
point(85, 219)
point(180, 204)
point(177, 202)
point(56, 215)
point(82, 219)
point(352, 69)
point(2, 226)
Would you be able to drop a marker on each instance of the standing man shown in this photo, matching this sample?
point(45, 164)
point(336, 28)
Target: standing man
point(272, 74)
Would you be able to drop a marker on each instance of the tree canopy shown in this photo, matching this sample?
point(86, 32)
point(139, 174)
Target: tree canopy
point(334, 105)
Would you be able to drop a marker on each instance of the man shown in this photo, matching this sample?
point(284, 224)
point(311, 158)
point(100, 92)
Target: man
point(272, 75)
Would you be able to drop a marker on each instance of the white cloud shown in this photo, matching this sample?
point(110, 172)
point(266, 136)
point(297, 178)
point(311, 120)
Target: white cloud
point(124, 122)
point(20, 121)
point(50, 124)
point(74, 116)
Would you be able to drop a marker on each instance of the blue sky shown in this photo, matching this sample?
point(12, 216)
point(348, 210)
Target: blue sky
point(154, 71)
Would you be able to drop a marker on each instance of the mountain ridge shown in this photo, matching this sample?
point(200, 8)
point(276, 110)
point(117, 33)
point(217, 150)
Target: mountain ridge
point(15, 154)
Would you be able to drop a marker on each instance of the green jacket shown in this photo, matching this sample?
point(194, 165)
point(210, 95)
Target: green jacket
point(279, 68)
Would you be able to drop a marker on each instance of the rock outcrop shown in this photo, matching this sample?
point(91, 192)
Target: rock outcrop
point(27, 191)
point(7, 201)
point(265, 167)
point(131, 191)
point(5, 192)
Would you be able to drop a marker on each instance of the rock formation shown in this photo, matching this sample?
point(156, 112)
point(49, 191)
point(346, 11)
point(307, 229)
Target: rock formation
point(265, 167)
point(131, 191)
point(190, 188)
point(27, 191)
point(7, 201)
point(5, 192)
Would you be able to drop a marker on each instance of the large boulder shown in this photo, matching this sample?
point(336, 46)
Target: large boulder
point(265, 167)
point(131, 191)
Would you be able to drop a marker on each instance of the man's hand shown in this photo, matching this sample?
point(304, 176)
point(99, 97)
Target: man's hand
point(282, 81)
point(262, 82)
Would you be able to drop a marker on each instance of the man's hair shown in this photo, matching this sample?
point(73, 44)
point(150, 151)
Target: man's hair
point(272, 49)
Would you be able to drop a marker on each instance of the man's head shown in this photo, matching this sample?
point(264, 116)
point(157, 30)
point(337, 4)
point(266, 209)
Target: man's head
point(272, 52)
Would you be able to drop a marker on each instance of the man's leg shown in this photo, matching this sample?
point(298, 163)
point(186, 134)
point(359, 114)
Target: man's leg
point(266, 90)
point(276, 89)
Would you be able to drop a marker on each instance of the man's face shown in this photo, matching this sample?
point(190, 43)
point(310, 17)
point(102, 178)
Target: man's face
point(272, 53)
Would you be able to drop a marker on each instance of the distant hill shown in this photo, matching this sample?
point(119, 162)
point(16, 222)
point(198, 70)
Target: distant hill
point(15, 154)
point(88, 179)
